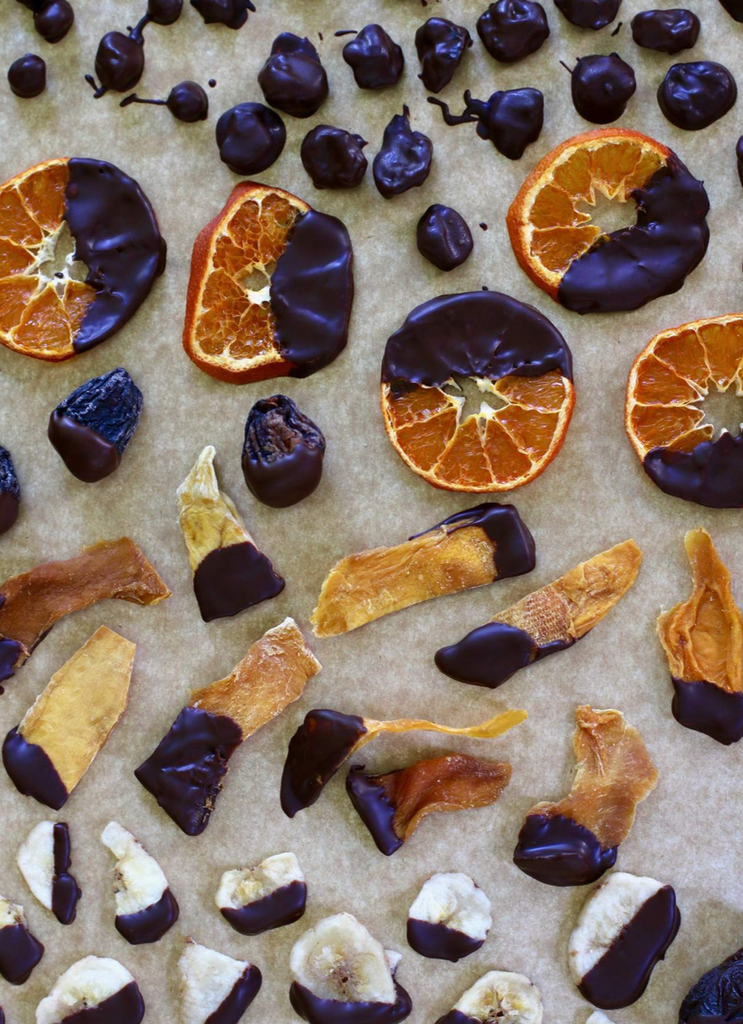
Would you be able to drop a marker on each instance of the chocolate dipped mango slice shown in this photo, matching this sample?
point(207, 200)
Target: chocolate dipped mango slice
point(61, 734)
point(544, 622)
point(575, 840)
point(185, 772)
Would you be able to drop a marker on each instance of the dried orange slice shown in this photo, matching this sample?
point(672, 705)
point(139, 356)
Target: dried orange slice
point(665, 419)
point(562, 249)
point(258, 306)
point(514, 354)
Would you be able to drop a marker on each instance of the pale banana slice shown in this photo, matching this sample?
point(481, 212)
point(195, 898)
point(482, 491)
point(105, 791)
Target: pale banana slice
point(145, 907)
point(453, 900)
point(89, 984)
point(209, 980)
point(36, 862)
point(599, 1017)
point(504, 997)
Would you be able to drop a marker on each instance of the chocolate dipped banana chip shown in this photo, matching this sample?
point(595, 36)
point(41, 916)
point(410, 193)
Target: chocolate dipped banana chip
point(61, 734)
point(44, 861)
point(574, 841)
point(450, 918)
point(95, 989)
point(270, 895)
point(20, 952)
point(184, 773)
point(496, 996)
point(215, 988)
point(145, 907)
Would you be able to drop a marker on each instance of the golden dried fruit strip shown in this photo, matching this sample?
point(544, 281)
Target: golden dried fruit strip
point(574, 841)
point(185, 771)
point(63, 731)
point(703, 641)
point(469, 549)
point(393, 805)
point(544, 622)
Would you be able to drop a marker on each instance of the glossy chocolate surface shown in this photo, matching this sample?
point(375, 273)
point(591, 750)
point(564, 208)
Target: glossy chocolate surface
point(666, 31)
point(229, 580)
point(709, 475)
point(456, 1017)
point(558, 851)
point(188, 102)
point(488, 655)
point(707, 708)
point(375, 58)
point(19, 953)
point(65, 890)
point(164, 12)
point(184, 773)
point(443, 237)
point(150, 924)
point(440, 45)
point(734, 8)
point(293, 79)
point(231, 13)
point(54, 20)
point(119, 62)
point(10, 499)
point(601, 86)
point(316, 751)
point(739, 157)
point(250, 138)
point(622, 974)
point(404, 160)
point(118, 239)
point(331, 1011)
point(717, 998)
point(514, 545)
point(9, 507)
point(10, 651)
point(695, 95)
point(312, 293)
point(437, 942)
point(374, 808)
point(593, 14)
point(333, 157)
point(281, 907)
point(87, 455)
point(511, 120)
point(27, 76)
point(512, 29)
point(243, 992)
point(649, 259)
point(32, 772)
point(282, 452)
point(124, 1007)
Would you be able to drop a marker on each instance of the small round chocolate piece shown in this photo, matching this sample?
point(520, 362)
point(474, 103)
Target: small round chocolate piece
point(54, 20)
point(601, 86)
point(443, 237)
point(230, 13)
point(119, 62)
point(593, 14)
point(293, 80)
point(734, 8)
point(404, 161)
point(375, 58)
point(250, 138)
point(695, 95)
point(164, 12)
point(188, 102)
point(440, 45)
point(666, 31)
point(282, 453)
point(27, 76)
point(333, 158)
point(512, 29)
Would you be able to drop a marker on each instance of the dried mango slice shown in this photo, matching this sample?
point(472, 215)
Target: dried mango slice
point(574, 841)
point(544, 622)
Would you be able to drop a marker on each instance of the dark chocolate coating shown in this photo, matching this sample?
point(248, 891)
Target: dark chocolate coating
point(282, 452)
point(511, 120)
point(739, 157)
point(184, 773)
point(512, 29)
point(231, 13)
point(243, 992)
point(87, 455)
point(234, 578)
point(734, 8)
point(293, 79)
point(150, 924)
point(331, 1011)
point(440, 45)
point(709, 475)
point(124, 1007)
point(32, 772)
point(65, 890)
point(333, 158)
point(316, 751)
point(164, 12)
point(375, 58)
point(491, 654)
point(514, 545)
point(404, 161)
point(54, 20)
point(374, 808)
point(443, 237)
point(666, 31)
point(456, 1017)
point(438, 942)
point(649, 259)
point(312, 293)
point(601, 86)
point(717, 998)
point(622, 974)
point(27, 76)
point(558, 851)
point(117, 237)
point(188, 102)
point(10, 499)
point(119, 61)
point(283, 906)
point(10, 651)
point(250, 138)
point(593, 14)
point(707, 708)
point(695, 95)
point(19, 953)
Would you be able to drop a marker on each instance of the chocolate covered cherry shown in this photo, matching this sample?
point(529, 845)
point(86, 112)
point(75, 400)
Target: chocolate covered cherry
point(231, 13)
point(250, 138)
point(601, 86)
point(293, 80)
point(54, 20)
point(186, 101)
point(164, 12)
point(27, 76)
point(593, 14)
point(119, 62)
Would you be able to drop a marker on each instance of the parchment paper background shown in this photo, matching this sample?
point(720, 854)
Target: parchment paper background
point(687, 833)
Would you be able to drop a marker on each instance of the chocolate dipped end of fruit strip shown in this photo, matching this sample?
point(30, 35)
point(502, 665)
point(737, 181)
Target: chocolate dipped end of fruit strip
point(469, 549)
point(230, 574)
point(31, 603)
point(703, 639)
point(63, 731)
point(186, 770)
point(393, 805)
point(544, 622)
point(326, 739)
point(574, 841)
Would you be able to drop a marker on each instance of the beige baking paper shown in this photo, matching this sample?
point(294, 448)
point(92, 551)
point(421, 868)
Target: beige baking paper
point(688, 832)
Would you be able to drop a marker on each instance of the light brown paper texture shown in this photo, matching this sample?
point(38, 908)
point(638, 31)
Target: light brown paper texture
point(594, 495)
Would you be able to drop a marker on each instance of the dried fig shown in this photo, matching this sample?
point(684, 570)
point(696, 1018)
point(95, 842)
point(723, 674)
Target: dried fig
point(10, 491)
point(282, 453)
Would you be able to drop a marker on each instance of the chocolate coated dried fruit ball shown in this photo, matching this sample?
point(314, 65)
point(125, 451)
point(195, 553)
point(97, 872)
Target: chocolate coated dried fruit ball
point(375, 58)
point(27, 76)
point(164, 12)
point(512, 29)
point(601, 86)
point(443, 237)
point(593, 14)
point(695, 95)
point(666, 31)
point(441, 46)
point(54, 20)
point(293, 80)
point(282, 453)
point(250, 138)
point(333, 158)
point(119, 62)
